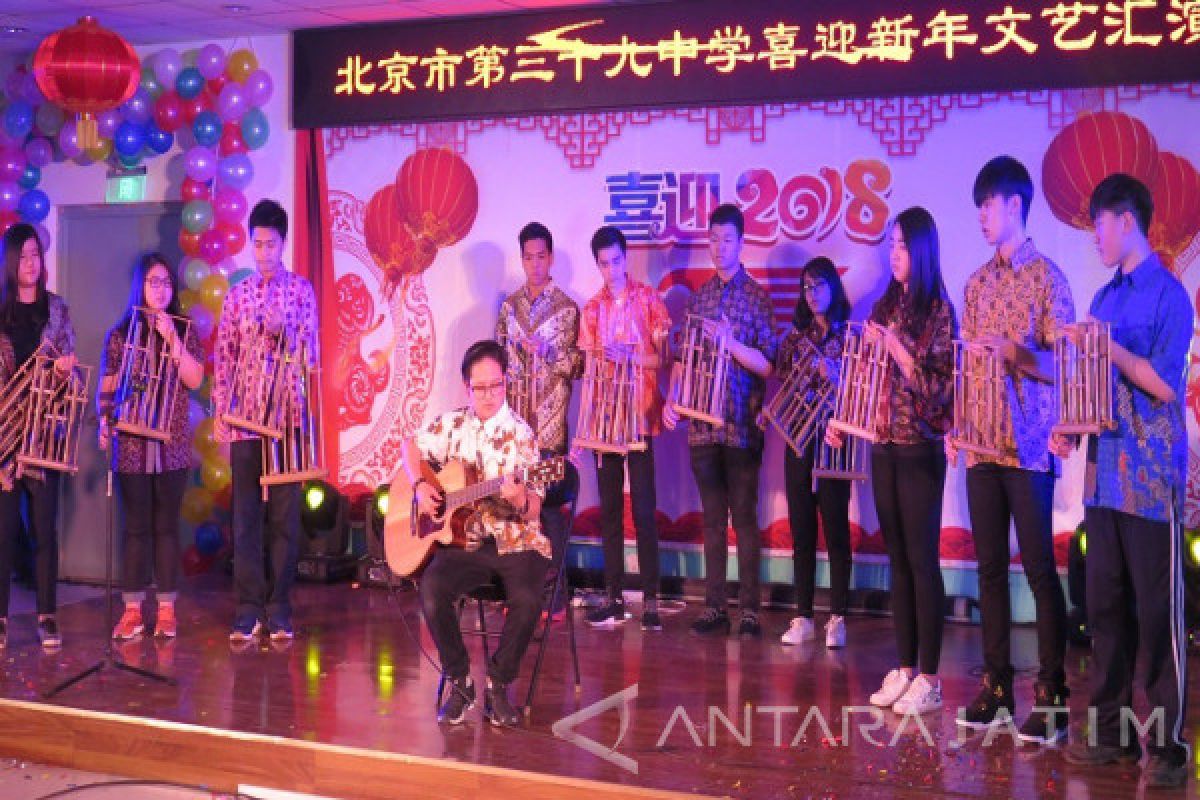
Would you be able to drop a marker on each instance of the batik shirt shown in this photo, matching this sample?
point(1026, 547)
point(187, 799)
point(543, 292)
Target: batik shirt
point(553, 318)
point(284, 306)
point(919, 408)
point(639, 318)
point(496, 447)
point(1140, 467)
point(139, 454)
point(744, 303)
point(1025, 300)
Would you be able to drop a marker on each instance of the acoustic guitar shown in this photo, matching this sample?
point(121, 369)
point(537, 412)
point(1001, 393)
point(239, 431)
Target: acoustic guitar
point(409, 536)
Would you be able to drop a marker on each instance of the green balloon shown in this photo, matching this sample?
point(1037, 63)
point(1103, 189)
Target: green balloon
point(255, 129)
point(150, 82)
point(197, 216)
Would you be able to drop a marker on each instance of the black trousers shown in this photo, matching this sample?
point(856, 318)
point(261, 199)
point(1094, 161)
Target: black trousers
point(995, 495)
point(727, 478)
point(150, 504)
point(257, 590)
point(42, 523)
point(610, 479)
point(908, 480)
point(1135, 612)
point(451, 573)
point(833, 499)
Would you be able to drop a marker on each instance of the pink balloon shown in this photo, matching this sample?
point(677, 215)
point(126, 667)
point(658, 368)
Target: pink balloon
point(229, 205)
point(12, 164)
point(200, 164)
point(212, 246)
point(10, 195)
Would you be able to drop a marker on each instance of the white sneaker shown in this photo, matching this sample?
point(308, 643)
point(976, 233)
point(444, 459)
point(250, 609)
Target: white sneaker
point(895, 684)
point(801, 631)
point(921, 697)
point(835, 632)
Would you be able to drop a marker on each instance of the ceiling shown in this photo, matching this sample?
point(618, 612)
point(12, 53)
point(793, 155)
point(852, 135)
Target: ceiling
point(26, 22)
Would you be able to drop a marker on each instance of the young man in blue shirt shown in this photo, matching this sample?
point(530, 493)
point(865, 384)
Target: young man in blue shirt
point(1133, 495)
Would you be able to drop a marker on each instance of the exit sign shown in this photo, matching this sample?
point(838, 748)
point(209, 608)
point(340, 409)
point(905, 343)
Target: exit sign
point(126, 186)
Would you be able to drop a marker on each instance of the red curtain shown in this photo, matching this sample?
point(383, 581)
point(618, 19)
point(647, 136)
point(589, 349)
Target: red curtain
point(313, 258)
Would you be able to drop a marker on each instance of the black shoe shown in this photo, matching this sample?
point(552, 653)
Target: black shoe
point(712, 622)
point(748, 627)
point(460, 698)
point(48, 632)
point(985, 708)
point(1162, 773)
point(1087, 755)
point(651, 621)
point(608, 615)
point(1047, 722)
point(499, 710)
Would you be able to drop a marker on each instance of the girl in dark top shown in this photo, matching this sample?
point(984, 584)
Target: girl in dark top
point(819, 324)
point(30, 315)
point(152, 475)
point(908, 462)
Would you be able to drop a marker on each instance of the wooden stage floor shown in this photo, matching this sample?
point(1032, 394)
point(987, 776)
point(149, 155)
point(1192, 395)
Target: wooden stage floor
point(354, 678)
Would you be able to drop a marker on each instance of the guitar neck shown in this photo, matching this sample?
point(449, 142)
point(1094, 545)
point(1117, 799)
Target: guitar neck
point(476, 491)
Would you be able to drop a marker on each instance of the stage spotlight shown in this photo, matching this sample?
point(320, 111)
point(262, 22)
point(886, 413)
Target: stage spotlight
point(373, 569)
point(1192, 540)
point(324, 552)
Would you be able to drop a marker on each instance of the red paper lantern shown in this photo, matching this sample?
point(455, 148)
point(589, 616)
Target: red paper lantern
point(1176, 205)
point(391, 243)
point(1086, 152)
point(86, 69)
point(438, 195)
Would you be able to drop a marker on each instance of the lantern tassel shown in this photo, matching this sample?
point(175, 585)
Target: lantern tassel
point(87, 131)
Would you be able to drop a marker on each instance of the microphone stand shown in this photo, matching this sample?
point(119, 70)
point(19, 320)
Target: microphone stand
point(109, 658)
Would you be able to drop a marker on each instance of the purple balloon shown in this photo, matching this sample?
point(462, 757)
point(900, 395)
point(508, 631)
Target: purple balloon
point(231, 103)
point(31, 91)
point(236, 171)
point(200, 164)
point(138, 108)
point(167, 66)
point(211, 61)
point(12, 164)
point(39, 152)
point(259, 87)
point(107, 123)
point(10, 195)
point(68, 139)
point(202, 319)
point(14, 86)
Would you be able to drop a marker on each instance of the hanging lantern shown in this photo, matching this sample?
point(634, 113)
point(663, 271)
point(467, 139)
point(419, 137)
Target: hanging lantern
point(86, 69)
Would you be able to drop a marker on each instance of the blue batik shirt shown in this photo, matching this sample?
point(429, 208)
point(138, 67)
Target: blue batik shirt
point(746, 305)
point(1140, 467)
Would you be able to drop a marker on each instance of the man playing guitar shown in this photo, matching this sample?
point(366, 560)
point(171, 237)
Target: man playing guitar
point(503, 535)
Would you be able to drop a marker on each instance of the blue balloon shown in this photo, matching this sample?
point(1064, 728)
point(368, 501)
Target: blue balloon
point(255, 128)
point(18, 119)
point(30, 178)
point(189, 83)
point(33, 206)
point(129, 139)
point(158, 140)
point(207, 128)
point(208, 539)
